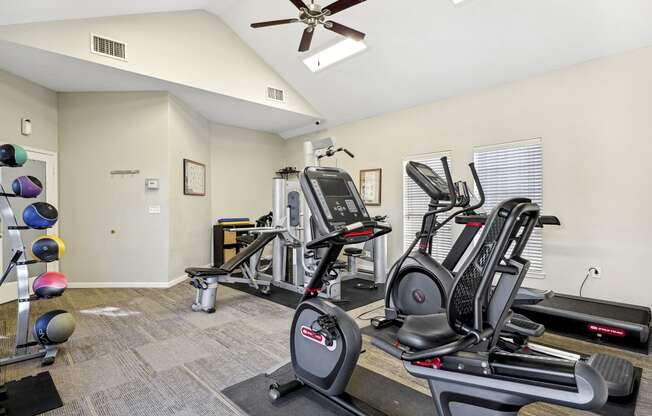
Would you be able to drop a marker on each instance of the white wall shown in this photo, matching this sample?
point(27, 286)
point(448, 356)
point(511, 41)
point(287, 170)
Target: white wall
point(190, 216)
point(595, 123)
point(193, 48)
point(100, 132)
point(243, 165)
point(20, 98)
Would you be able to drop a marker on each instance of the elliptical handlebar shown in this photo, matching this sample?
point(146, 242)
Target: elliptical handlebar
point(449, 180)
point(478, 185)
point(452, 197)
point(471, 208)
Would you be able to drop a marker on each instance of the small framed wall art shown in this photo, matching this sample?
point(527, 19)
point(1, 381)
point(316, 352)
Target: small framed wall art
point(194, 178)
point(371, 184)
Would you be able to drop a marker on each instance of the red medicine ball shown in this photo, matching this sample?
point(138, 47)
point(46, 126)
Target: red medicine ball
point(49, 284)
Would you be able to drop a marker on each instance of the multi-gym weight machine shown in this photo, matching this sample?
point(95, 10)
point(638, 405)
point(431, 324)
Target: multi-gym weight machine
point(292, 265)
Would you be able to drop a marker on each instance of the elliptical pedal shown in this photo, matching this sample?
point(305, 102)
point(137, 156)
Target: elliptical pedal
point(616, 371)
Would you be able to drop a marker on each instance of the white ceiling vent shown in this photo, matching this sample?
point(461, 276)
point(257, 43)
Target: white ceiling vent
point(274, 94)
point(108, 47)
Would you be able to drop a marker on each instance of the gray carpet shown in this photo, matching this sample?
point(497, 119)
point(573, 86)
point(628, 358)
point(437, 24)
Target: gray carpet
point(144, 352)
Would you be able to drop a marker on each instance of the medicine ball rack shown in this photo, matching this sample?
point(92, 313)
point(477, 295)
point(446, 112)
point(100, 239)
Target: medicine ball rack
point(25, 349)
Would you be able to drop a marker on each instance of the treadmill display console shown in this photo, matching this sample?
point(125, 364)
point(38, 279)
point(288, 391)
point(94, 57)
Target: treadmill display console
point(428, 180)
point(333, 198)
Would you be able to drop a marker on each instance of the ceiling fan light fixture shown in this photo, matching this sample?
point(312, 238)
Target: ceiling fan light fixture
point(334, 54)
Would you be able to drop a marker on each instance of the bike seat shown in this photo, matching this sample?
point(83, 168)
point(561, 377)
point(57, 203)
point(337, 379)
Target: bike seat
point(421, 332)
point(203, 271)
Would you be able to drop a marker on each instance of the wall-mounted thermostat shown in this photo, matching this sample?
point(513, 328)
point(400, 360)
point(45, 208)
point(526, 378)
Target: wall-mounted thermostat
point(152, 184)
point(26, 126)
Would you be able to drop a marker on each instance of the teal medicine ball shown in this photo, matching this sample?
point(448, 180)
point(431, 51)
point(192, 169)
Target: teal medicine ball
point(12, 155)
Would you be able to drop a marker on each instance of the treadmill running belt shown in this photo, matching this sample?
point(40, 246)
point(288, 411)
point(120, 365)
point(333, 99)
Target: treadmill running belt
point(624, 313)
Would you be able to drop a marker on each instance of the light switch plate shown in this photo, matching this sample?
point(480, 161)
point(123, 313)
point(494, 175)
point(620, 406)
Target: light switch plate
point(26, 126)
point(152, 184)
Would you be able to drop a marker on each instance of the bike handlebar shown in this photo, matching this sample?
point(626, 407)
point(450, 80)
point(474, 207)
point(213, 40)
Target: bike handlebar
point(351, 228)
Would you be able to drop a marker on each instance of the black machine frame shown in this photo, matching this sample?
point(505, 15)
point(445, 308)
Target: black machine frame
point(461, 365)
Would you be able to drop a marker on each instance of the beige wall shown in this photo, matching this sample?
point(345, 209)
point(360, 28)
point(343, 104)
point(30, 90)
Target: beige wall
point(100, 132)
point(243, 165)
point(190, 216)
point(152, 132)
point(20, 98)
point(595, 123)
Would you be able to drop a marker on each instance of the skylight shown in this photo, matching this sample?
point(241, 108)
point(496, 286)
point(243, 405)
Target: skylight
point(334, 54)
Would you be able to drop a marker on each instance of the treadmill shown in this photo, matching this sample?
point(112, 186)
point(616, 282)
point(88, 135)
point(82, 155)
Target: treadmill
point(591, 319)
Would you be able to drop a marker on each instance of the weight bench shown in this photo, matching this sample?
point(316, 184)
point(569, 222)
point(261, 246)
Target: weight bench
point(206, 280)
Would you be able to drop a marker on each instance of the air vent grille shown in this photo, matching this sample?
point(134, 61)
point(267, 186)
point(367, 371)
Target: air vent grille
point(108, 47)
point(275, 94)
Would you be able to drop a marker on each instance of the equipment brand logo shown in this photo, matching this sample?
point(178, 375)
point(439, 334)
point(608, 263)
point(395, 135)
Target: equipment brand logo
point(308, 333)
point(607, 330)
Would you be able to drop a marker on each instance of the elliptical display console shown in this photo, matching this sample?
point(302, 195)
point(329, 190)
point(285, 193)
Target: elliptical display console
point(428, 180)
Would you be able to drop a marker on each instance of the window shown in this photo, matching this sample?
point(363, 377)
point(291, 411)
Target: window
point(511, 171)
point(415, 205)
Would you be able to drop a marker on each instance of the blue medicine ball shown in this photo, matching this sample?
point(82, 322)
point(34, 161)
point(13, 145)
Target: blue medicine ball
point(54, 327)
point(40, 215)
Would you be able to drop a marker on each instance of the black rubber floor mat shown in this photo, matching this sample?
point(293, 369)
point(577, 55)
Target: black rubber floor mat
point(388, 397)
point(352, 298)
point(621, 406)
point(31, 396)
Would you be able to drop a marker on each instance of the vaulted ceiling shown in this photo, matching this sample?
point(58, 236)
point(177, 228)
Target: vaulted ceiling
point(419, 51)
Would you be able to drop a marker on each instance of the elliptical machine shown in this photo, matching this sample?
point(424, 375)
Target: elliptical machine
point(453, 350)
point(418, 284)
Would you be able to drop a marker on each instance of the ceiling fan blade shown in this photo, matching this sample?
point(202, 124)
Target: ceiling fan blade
point(306, 39)
point(300, 4)
point(274, 23)
point(340, 5)
point(344, 30)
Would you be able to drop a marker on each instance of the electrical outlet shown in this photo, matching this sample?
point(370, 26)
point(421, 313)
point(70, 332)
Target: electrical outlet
point(595, 272)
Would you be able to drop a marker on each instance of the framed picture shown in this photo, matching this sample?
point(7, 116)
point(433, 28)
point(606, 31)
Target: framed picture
point(371, 184)
point(194, 178)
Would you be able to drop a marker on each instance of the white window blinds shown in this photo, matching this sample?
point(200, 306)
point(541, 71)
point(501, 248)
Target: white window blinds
point(415, 205)
point(511, 171)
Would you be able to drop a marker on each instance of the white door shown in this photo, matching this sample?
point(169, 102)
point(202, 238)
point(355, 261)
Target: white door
point(43, 165)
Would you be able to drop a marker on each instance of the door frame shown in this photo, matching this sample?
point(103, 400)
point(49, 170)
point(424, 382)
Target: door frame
point(9, 290)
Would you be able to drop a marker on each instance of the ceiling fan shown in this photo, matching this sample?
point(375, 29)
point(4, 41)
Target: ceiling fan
point(314, 15)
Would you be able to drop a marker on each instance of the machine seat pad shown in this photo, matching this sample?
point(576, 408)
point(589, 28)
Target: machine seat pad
point(203, 271)
point(421, 332)
point(353, 251)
